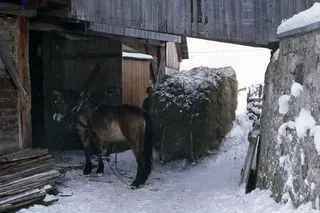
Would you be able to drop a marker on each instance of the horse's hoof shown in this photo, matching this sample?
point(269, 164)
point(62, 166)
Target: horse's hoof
point(87, 171)
point(134, 185)
point(99, 171)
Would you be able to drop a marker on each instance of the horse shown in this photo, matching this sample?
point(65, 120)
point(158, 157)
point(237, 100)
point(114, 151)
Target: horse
point(104, 125)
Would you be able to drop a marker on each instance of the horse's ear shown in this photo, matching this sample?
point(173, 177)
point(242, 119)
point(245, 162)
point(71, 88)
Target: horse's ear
point(55, 92)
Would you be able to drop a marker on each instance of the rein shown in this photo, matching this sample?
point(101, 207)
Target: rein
point(108, 161)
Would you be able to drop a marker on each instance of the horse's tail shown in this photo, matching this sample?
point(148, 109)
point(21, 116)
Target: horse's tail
point(148, 144)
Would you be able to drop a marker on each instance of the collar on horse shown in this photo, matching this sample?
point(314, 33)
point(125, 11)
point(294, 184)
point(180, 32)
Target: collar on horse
point(79, 107)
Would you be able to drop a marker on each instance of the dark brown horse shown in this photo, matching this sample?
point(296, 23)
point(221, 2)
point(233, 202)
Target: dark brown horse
point(104, 125)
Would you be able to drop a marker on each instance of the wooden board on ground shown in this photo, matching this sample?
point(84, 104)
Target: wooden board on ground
point(23, 155)
point(253, 139)
point(26, 177)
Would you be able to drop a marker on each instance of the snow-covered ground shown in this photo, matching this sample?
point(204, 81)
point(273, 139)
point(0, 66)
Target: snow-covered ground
point(210, 186)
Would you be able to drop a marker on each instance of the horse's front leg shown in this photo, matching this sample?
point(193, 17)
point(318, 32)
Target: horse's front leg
point(109, 151)
point(100, 169)
point(87, 153)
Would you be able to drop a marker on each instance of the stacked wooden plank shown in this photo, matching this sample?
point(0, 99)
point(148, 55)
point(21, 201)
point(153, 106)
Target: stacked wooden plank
point(25, 178)
point(254, 108)
point(254, 101)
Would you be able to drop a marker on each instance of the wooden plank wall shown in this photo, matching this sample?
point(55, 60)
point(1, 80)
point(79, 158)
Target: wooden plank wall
point(15, 116)
point(9, 129)
point(141, 47)
point(72, 62)
point(172, 59)
point(135, 80)
point(251, 22)
point(157, 52)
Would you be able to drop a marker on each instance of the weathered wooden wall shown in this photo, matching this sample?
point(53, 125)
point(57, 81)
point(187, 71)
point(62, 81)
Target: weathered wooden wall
point(135, 80)
point(15, 116)
point(9, 129)
point(172, 59)
point(156, 51)
point(67, 65)
point(251, 22)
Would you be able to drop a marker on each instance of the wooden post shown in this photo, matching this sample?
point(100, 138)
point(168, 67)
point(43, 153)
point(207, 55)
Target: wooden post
point(22, 44)
point(253, 139)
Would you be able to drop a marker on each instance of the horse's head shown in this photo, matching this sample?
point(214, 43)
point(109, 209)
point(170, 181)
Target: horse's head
point(63, 102)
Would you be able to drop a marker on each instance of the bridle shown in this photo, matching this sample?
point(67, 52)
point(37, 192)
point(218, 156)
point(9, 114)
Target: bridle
point(80, 105)
point(77, 109)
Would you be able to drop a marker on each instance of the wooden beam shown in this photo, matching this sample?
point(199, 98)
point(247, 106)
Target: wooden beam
point(30, 4)
point(84, 56)
point(146, 46)
point(24, 75)
point(14, 9)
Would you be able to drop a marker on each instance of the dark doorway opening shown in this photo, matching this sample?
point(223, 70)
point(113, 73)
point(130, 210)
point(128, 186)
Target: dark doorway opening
point(37, 100)
point(44, 71)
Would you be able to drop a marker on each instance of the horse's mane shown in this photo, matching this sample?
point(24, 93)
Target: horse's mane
point(70, 94)
point(96, 97)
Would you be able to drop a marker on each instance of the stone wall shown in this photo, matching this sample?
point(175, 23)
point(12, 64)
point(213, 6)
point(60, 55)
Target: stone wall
point(289, 162)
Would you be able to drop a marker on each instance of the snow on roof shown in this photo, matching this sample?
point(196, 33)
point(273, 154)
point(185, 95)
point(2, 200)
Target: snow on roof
point(193, 83)
point(139, 56)
point(300, 20)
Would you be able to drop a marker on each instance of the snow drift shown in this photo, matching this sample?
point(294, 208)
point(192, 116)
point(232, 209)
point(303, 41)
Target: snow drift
point(194, 110)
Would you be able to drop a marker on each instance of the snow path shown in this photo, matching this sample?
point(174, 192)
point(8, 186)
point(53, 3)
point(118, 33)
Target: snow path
point(211, 186)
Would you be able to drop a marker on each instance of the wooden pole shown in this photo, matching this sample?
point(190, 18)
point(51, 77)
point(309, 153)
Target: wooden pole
point(22, 43)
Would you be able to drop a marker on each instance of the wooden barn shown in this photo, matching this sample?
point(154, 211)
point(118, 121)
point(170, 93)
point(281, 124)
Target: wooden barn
point(41, 52)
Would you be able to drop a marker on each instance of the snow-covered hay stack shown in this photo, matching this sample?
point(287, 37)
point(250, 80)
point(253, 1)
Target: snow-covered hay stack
point(193, 111)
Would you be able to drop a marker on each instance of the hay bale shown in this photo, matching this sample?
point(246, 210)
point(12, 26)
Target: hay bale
point(193, 110)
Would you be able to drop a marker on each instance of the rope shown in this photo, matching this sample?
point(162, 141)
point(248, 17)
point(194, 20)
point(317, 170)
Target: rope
point(108, 160)
point(115, 164)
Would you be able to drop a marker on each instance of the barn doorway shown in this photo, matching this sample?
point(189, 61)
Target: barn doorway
point(37, 91)
point(45, 132)
point(64, 61)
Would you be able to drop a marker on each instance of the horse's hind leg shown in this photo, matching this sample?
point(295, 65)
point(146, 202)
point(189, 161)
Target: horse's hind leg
point(140, 176)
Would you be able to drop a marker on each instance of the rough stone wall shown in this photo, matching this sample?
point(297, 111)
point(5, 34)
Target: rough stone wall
point(289, 163)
